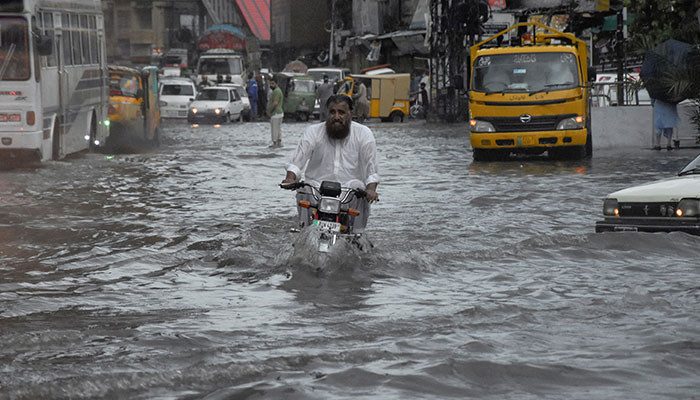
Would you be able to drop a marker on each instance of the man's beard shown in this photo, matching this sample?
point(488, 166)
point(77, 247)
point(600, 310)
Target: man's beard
point(337, 130)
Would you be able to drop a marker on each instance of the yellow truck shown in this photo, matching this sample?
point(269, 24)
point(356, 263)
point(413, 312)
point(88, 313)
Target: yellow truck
point(531, 97)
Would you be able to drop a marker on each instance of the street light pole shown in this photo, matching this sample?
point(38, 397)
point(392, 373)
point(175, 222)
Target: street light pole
point(330, 50)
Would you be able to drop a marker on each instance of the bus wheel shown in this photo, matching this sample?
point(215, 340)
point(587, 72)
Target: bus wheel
point(396, 116)
point(93, 133)
point(56, 141)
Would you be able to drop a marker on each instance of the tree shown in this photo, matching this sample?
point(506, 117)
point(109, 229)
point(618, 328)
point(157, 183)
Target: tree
point(655, 21)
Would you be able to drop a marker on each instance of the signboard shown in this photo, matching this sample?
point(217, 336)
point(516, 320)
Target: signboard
point(497, 23)
point(497, 4)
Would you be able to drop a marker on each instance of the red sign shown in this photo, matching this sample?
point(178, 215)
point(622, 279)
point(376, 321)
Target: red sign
point(221, 40)
point(497, 3)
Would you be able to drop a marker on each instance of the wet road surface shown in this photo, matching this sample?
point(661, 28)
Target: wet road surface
point(168, 275)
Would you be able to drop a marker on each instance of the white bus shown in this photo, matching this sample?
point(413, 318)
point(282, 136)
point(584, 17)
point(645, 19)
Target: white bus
point(53, 78)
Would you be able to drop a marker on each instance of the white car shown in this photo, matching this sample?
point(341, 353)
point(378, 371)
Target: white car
point(671, 204)
point(243, 93)
point(175, 96)
point(216, 104)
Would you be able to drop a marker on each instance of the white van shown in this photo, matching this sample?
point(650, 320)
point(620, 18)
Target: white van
point(176, 93)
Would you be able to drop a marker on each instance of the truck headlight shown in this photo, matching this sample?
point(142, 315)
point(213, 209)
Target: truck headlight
point(688, 208)
point(570, 123)
point(611, 208)
point(476, 125)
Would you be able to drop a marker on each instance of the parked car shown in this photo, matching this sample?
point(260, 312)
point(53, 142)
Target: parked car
point(671, 204)
point(243, 93)
point(175, 95)
point(216, 104)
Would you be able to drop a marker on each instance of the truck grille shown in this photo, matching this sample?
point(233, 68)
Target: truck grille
point(666, 209)
point(536, 123)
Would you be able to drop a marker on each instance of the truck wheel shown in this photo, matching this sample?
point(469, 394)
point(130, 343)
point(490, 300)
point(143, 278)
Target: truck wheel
point(589, 145)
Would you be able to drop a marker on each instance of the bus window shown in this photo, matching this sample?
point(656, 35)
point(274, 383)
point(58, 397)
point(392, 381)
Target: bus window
point(75, 36)
point(14, 55)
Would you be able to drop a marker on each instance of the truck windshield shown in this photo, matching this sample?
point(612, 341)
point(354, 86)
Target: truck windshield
point(220, 66)
point(525, 72)
point(14, 53)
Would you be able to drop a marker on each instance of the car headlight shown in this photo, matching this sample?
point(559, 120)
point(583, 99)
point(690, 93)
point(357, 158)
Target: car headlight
point(570, 123)
point(217, 111)
point(688, 208)
point(163, 103)
point(481, 126)
point(194, 110)
point(611, 208)
point(329, 205)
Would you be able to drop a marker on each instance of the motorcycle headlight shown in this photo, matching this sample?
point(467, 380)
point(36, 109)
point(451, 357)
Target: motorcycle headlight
point(688, 208)
point(611, 208)
point(217, 111)
point(570, 123)
point(194, 110)
point(481, 126)
point(329, 205)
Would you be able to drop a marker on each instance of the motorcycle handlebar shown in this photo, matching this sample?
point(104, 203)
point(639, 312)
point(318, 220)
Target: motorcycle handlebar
point(359, 193)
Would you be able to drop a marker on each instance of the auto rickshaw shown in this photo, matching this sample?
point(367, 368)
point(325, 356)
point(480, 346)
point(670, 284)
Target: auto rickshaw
point(299, 94)
point(134, 108)
point(388, 94)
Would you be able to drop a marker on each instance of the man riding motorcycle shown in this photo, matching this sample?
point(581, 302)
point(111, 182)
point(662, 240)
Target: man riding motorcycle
point(338, 150)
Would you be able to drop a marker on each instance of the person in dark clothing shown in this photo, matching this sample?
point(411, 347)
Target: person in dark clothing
point(262, 96)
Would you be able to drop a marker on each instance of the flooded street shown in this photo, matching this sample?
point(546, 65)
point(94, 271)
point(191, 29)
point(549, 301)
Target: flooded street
point(168, 275)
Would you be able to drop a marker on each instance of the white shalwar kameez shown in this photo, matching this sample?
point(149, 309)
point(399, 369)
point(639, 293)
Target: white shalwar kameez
point(351, 161)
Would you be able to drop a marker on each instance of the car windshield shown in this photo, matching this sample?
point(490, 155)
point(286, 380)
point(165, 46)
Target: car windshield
point(123, 85)
point(220, 66)
point(177, 90)
point(525, 72)
point(213, 94)
point(692, 167)
point(14, 45)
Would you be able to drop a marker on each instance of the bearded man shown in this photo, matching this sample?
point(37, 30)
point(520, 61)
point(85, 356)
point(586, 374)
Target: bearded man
point(338, 150)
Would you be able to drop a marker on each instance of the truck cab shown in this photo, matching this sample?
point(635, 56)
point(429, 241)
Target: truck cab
point(530, 98)
point(218, 65)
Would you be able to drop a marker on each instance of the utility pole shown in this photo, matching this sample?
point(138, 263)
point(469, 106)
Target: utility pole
point(330, 50)
point(620, 57)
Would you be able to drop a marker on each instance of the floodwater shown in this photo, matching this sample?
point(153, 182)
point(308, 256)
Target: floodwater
point(168, 275)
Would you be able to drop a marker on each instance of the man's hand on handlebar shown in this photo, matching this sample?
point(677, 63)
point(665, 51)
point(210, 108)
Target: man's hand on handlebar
point(288, 180)
point(371, 193)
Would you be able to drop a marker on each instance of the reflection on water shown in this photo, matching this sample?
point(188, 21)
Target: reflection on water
point(176, 274)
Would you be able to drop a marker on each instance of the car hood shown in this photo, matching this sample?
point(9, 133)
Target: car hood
point(673, 189)
point(208, 105)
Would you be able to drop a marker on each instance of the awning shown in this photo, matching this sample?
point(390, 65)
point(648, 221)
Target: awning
point(408, 42)
point(257, 15)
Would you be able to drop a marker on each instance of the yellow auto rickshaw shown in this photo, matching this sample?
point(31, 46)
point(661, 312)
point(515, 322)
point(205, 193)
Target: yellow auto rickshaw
point(388, 94)
point(134, 109)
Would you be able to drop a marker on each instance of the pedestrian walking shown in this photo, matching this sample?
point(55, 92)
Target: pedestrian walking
point(275, 112)
point(323, 92)
point(361, 103)
point(665, 119)
point(253, 96)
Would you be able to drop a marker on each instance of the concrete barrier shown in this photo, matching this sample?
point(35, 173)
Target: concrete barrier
point(634, 126)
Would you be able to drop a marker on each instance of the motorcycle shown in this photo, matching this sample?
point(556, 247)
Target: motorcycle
point(330, 213)
point(416, 110)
